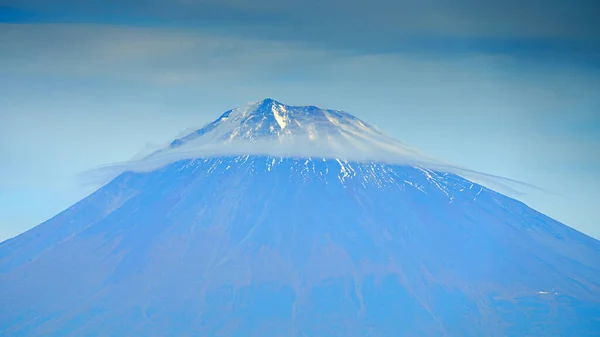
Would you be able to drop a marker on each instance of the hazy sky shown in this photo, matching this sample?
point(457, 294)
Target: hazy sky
point(510, 88)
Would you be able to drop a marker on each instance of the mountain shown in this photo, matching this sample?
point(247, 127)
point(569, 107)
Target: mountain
point(276, 220)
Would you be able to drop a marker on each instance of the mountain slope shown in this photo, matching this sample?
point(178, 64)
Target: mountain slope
point(262, 245)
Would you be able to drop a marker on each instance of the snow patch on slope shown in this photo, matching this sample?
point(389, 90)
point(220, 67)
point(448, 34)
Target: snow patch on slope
point(279, 115)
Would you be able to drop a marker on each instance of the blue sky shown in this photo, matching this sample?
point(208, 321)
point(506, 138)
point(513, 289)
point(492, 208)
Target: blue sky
point(505, 87)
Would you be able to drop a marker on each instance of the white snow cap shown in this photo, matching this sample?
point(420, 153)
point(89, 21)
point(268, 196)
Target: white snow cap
point(271, 128)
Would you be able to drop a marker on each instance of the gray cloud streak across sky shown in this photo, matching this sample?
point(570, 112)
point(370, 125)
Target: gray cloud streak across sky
point(553, 28)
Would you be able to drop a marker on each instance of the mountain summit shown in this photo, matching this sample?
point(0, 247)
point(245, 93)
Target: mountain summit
point(271, 128)
point(232, 236)
point(269, 119)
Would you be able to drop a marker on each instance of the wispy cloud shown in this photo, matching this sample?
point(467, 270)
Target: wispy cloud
point(161, 56)
point(544, 31)
point(489, 18)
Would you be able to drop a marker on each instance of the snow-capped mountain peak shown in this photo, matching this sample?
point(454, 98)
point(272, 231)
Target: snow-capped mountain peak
point(270, 119)
point(264, 110)
point(269, 127)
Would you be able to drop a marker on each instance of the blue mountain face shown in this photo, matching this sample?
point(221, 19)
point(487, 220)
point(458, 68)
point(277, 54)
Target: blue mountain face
point(262, 245)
